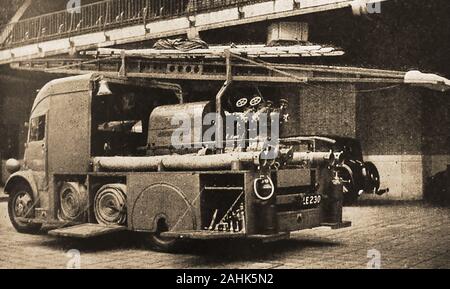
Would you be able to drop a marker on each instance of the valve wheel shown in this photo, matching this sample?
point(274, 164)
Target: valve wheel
point(241, 102)
point(255, 101)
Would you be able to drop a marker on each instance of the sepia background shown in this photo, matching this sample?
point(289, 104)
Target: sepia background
point(403, 130)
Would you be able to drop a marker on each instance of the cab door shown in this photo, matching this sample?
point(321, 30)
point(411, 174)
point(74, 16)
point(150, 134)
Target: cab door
point(36, 148)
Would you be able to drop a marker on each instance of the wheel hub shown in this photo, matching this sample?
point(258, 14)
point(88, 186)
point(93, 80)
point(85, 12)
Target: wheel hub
point(22, 205)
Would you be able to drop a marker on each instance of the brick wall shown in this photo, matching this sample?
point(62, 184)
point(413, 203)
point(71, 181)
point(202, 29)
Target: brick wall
point(436, 123)
point(326, 109)
point(389, 122)
point(403, 121)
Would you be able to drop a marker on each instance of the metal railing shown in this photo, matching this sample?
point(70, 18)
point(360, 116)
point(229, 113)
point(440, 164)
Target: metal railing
point(104, 15)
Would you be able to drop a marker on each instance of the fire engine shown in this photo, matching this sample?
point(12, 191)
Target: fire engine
point(99, 159)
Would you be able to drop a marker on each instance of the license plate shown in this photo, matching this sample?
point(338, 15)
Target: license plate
point(309, 200)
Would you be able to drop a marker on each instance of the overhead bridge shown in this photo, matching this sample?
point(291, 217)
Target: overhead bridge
point(113, 22)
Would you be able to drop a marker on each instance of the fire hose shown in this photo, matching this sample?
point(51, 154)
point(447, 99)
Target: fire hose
point(73, 198)
point(110, 205)
point(192, 162)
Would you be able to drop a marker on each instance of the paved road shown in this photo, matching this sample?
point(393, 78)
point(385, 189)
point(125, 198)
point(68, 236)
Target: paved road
point(3, 196)
point(405, 236)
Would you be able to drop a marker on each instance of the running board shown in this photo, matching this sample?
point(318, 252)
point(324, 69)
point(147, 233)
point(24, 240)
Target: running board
point(209, 235)
point(335, 226)
point(51, 222)
point(202, 235)
point(85, 231)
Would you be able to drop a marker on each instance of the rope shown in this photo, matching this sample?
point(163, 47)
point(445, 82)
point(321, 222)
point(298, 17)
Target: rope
point(302, 80)
point(355, 90)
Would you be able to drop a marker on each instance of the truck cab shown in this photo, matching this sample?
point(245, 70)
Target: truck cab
point(71, 120)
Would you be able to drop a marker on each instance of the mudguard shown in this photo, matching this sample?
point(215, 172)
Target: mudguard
point(26, 177)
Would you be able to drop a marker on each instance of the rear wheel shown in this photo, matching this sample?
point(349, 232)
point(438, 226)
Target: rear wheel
point(372, 178)
point(21, 205)
point(351, 194)
point(160, 243)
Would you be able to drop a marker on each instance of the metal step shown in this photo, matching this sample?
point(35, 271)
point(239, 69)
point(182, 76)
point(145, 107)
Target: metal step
point(85, 231)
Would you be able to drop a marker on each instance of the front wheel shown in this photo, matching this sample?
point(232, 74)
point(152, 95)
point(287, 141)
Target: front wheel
point(160, 243)
point(21, 205)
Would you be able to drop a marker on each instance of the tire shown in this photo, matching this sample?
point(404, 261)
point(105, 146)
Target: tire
point(350, 192)
point(372, 184)
point(162, 244)
point(21, 204)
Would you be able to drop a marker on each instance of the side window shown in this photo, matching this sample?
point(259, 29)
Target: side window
point(37, 128)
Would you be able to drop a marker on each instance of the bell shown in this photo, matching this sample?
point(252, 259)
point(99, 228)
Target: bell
point(104, 89)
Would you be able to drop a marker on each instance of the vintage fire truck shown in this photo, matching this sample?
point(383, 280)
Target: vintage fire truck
point(101, 156)
point(99, 160)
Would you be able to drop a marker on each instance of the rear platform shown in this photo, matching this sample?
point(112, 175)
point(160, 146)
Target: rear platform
point(86, 231)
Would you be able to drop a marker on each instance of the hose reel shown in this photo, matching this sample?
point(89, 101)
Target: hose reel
point(110, 205)
point(73, 199)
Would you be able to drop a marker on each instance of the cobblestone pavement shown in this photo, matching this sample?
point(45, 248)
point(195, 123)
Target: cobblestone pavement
point(410, 235)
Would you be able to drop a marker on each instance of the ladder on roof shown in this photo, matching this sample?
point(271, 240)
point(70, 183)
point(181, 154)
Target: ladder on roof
point(250, 63)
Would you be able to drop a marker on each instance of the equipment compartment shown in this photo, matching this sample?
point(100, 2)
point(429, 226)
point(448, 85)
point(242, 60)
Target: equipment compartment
point(223, 203)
